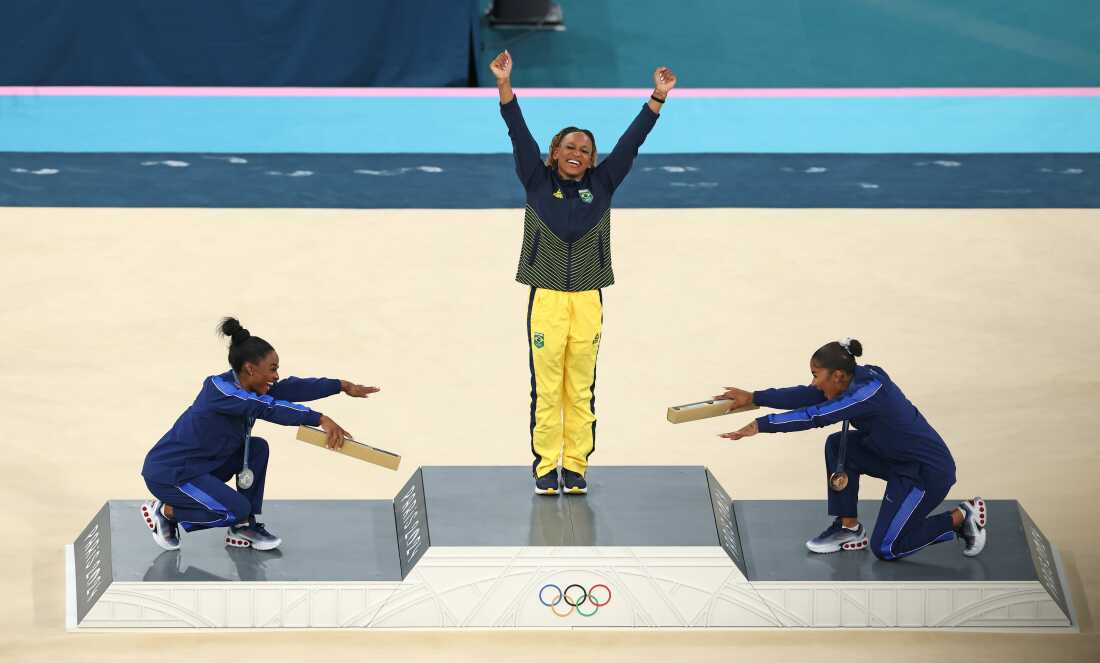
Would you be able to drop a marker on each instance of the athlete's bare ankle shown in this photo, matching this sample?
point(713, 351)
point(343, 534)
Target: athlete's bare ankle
point(850, 523)
point(957, 518)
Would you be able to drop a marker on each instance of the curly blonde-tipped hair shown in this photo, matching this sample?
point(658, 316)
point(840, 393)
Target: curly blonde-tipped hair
point(550, 161)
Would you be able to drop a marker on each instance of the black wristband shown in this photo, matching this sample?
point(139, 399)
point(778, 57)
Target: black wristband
point(657, 99)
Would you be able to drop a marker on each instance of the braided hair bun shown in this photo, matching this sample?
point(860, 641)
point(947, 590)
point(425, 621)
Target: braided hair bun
point(243, 346)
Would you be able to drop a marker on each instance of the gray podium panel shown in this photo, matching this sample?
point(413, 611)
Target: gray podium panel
point(492, 506)
point(626, 506)
point(725, 519)
point(323, 540)
point(644, 506)
point(411, 519)
point(774, 535)
point(92, 573)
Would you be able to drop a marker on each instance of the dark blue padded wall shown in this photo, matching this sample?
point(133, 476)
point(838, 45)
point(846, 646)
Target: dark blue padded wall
point(790, 43)
point(240, 43)
point(811, 43)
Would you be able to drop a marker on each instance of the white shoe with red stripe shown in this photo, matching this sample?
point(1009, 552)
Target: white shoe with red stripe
point(837, 538)
point(165, 532)
point(972, 531)
point(251, 535)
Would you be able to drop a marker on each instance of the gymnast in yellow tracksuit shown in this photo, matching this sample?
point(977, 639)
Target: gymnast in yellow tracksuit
point(566, 260)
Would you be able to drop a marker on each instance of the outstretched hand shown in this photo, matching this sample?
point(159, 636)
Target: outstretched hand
point(663, 81)
point(740, 397)
point(745, 431)
point(501, 66)
point(357, 390)
point(334, 433)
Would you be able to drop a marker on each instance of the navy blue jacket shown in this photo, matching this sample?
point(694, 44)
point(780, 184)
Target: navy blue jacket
point(895, 429)
point(214, 427)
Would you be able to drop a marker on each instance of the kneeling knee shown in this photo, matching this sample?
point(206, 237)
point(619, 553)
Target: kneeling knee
point(831, 445)
point(258, 447)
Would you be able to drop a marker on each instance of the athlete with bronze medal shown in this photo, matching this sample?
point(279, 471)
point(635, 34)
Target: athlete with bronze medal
point(890, 440)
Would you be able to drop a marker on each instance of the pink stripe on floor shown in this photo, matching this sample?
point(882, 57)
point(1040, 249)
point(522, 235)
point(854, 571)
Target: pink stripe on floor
point(412, 92)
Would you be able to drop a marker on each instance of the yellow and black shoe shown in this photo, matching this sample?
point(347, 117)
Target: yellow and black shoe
point(574, 482)
point(548, 484)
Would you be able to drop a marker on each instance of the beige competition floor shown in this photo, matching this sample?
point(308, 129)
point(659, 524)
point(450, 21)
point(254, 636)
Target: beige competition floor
point(989, 320)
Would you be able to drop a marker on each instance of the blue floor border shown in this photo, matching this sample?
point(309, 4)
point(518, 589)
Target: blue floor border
point(465, 125)
point(477, 181)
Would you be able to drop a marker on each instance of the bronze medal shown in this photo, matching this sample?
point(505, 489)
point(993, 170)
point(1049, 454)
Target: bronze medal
point(838, 481)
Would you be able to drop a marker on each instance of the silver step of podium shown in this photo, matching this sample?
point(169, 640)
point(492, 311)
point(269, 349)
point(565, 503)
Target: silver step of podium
point(472, 547)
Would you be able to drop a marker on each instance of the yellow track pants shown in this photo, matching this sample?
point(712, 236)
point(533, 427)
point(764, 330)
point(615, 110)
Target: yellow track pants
point(563, 336)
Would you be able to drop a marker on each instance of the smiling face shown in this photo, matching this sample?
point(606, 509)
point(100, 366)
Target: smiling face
point(573, 155)
point(831, 382)
point(258, 377)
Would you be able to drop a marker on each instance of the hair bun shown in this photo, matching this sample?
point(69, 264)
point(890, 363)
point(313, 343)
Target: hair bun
point(232, 328)
point(855, 347)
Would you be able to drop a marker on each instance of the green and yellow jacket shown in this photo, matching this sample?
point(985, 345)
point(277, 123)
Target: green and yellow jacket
point(567, 224)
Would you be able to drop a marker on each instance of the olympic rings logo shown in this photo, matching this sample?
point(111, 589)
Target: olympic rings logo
point(575, 596)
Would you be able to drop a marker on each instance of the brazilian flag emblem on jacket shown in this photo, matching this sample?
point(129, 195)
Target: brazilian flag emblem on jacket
point(586, 195)
point(540, 340)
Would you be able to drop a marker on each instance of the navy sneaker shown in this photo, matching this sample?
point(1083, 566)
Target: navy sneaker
point(838, 537)
point(251, 535)
point(574, 482)
point(548, 484)
point(972, 531)
point(165, 531)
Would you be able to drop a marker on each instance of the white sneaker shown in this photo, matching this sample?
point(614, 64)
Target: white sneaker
point(838, 537)
point(251, 535)
point(165, 532)
point(972, 531)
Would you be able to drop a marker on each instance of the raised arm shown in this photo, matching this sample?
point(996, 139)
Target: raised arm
point(616, 166)
point(663, 82)
point(524, 148)
point(501, 66)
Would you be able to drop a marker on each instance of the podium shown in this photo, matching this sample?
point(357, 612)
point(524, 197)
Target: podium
point(471, 547)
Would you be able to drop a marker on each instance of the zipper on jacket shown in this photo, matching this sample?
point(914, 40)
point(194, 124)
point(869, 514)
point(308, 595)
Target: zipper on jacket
point(569, 266)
